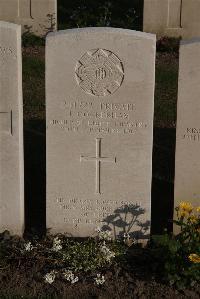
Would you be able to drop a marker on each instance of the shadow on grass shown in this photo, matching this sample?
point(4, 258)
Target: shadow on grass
point(35, 176)
point(163, 180)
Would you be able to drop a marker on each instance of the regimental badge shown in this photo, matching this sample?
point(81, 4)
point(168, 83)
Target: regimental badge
point(99, 72)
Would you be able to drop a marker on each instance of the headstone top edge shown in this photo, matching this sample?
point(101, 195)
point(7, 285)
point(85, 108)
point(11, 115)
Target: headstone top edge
point(94, 30)
point(10, 25)
point(188, 42)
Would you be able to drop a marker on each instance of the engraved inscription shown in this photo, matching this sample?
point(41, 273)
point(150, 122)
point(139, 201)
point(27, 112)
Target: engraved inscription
point(6, 53)
point(99, 72)
point(192, 134)
point(98, 117)
point(98, 159)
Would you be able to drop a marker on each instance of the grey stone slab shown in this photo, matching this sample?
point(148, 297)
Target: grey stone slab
point(11, 130)
point(36, 16)
point(187, 166)
point(100, 91)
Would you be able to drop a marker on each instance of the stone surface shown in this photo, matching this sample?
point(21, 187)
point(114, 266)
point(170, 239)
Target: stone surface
point(100, 90)
point(187, 166)
point(172, 18)
point(11, 130)
point(36, 16)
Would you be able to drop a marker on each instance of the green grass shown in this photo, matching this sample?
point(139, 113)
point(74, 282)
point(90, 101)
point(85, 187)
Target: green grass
point(166, 94)
point(34, 87)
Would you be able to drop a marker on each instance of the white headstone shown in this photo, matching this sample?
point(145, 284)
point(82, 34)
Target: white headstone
point(187, 167)
point(37, 16)
point(11, 130)
point(100, 91)
point(172, 17)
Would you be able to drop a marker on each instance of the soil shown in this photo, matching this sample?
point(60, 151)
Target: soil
point(136, 276)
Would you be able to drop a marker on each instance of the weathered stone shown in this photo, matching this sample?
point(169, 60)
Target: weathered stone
point(35, 16)
point(100, 91)
point(172, 17)
point(11, 130)
point(187, 166)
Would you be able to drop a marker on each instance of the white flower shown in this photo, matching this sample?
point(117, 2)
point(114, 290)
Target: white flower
point(69, 276)
point(56, 244)
point(103, 235)
point(98, 229)
point(128, 240)
point(28, 246)
point(50, 277)
point(99, 279)
point(74, 280)
point(108, 254)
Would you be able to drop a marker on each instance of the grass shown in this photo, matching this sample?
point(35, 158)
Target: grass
point(33, 87)
point(166, 91)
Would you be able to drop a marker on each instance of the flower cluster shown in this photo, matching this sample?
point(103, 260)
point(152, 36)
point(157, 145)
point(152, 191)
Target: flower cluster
point(128, 240)
point(107, 253)
point(99, 279)
point(104, 235)
point(194, 258)
point(50, 277)
point(56, 244)
point(69, 276)
point(186, 211)
point(28, 246)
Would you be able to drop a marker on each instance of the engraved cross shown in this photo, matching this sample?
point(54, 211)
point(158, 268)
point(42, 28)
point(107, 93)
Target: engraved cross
point(98, 159)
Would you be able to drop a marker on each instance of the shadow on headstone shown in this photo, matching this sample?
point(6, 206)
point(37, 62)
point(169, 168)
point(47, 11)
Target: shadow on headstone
point(35, 176)
point(125, 220)
point(163, 180)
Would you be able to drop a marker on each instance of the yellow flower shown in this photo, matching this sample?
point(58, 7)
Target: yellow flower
point(192, 219)
point(185, 207)
point(198, 209)
point(182, 214)
point(195, 258)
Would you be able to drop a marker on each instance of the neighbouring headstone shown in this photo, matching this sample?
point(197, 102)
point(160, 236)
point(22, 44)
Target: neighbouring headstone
point(100, 94)
point(172, 18)
point(35, 16)
point(187, 166)
point(11, 130)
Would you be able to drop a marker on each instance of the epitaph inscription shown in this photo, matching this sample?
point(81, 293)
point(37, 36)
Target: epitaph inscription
point(99, 72)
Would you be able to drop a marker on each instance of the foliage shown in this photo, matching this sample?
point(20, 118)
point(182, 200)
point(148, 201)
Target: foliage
point(60, 256)
point(112, 13)
point(168, 44)
point(31, 40)
point(181, 252)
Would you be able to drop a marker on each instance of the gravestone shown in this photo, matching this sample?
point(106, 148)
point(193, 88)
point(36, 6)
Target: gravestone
point(187, 166)
point(11, 130)
point(100, 91)
point(35, 16)
point(172, 18)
